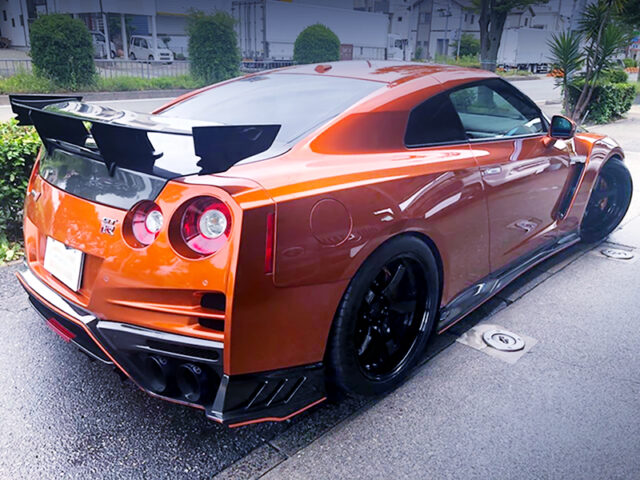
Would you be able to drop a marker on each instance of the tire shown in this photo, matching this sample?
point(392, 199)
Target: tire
point(113, 54)
point(392, 301)
point(608, 203)
point(150, 58)
point(132, 56)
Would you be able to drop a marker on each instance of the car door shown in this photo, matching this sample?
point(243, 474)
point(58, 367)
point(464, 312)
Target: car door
point(524, 174)
point(453, 203)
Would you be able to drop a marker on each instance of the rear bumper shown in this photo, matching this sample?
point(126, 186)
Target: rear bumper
point(233, 400)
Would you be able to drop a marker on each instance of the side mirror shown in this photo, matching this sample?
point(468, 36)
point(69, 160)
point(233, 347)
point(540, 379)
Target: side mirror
point(562, 128)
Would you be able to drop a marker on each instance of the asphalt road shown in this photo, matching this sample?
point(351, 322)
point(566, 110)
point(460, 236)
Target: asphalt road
point(567, 409)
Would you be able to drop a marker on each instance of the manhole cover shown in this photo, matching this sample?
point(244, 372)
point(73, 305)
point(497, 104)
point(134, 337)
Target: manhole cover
point(503, 340)
point(617, 254)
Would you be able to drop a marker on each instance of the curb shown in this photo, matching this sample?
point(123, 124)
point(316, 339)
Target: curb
point(127, 95)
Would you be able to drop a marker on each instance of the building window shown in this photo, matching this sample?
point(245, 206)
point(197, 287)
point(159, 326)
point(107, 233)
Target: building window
point(13, 22)
point(466, 17)
point(4, 15)
point(21, 20)
point(399, 19)
point(526, 22)
point(472, 18)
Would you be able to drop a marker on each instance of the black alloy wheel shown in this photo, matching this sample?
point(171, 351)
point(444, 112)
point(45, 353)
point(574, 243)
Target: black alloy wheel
point(385, 318)
point(609, 201)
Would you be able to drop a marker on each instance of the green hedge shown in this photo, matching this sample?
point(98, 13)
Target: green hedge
point(616, 76)
point(62, 50)
point(608, 102)
point(18, 150)
point(213, 47)
point(315, 44)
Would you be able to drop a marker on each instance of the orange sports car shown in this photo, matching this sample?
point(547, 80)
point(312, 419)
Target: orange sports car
point(259, 242)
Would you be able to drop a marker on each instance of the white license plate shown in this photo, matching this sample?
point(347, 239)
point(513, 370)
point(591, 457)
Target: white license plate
point(64, 263)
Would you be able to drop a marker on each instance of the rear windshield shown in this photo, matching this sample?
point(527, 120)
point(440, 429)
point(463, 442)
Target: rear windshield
point(297, 102)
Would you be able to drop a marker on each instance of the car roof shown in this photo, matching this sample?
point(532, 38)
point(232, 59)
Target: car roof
point(387, 71)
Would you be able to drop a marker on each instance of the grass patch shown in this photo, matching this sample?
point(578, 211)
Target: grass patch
point(29, 83)
point(120, 84)
point(468, 61)
point(514, 73)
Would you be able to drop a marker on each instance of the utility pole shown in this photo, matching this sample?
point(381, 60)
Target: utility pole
point(459, 34)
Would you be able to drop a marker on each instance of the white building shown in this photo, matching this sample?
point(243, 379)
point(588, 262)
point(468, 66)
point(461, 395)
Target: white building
point(165, 19)
point(269, 28)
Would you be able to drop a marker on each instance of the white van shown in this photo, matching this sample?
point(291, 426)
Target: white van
point(100, 45)
point(141, 48)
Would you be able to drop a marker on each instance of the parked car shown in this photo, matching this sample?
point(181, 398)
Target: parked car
point(100, 45)
point(256, 243)
point(142, 48)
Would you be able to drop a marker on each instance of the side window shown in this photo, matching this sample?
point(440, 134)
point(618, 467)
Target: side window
point(494, 109)
point(135, 42)
point(434, 122)
point(143, 43)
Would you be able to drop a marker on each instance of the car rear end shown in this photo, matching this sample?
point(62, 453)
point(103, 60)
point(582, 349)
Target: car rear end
point(143, 252)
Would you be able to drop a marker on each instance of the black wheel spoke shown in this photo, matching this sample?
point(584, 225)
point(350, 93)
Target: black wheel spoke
point(404, 307)
point(390, 317)
point(392, 289)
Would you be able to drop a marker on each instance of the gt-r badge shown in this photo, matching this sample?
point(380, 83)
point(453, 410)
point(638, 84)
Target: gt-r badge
point(108, 225)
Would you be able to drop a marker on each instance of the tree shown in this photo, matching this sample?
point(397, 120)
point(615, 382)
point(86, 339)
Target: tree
point(315, 44)
point(213, 47)
point(566, 57)
point(604, 38)
point(469, 45)
point(493, 15)
point(62, 50)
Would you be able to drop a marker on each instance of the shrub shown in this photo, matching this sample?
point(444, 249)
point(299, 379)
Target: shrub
point(316, 44)
point(616, 76)
point(62, 50)
point(630, 63)
point(469, 45)
point(213, 47)
point(608, 102)
point(18, 150)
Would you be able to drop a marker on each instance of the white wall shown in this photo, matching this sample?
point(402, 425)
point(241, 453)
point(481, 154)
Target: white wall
point(286, 20)
point(137, 7)
point(13, 28)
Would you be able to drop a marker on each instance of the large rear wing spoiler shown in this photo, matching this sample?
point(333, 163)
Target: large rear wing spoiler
point(121, 138)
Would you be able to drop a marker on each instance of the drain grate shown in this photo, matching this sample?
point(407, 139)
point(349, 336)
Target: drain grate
point(617, 254)
point(503, 340)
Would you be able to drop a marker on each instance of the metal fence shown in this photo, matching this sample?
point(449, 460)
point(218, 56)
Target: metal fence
point(8, 68)
point(140, 68)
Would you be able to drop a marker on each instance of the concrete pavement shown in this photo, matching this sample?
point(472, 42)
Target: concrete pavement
point(567, 409)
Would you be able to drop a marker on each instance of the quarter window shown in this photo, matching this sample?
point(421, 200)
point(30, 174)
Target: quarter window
point(434, 122)
point(494, 109)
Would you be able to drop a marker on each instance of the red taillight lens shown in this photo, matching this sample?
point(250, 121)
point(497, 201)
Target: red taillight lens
point(205, 225)
point(146, 222)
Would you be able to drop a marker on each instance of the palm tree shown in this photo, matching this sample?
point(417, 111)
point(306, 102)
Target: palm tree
point(567, 57)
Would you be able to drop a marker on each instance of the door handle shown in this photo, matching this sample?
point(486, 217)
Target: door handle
point(492, 171)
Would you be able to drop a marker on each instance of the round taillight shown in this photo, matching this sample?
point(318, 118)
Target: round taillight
point(146, 222)
point(205, 225)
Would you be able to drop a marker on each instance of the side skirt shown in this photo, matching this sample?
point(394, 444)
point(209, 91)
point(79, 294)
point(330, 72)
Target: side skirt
point(475, 295)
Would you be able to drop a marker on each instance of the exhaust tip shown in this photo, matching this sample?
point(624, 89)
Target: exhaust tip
point(192, 381)
point(158, 371)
